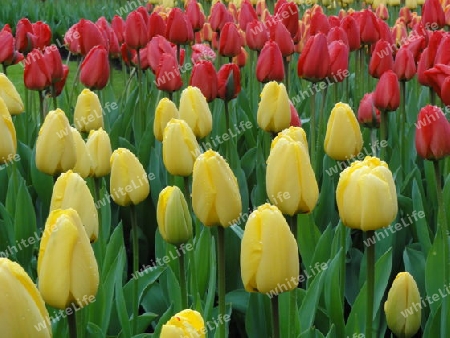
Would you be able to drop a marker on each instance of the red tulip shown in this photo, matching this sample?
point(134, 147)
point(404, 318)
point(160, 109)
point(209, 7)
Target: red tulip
point(230, 42)
point(58, 86)
point(314, 61)
point(278, 5)
point(127, 53)
point(168, 77)
point(432, 133)
point(382, 12)
point(339, 54)
point(246, 15)
point(385, 32)
point(241, 58)
point(43, 34)
point(269, 66)
point(282, 37)
point(54, 63)
point(381, 59)
point(295, 119)
point(95, 68)
point(37, 73)
point(89, 36)
point(416, 44)
point(445, 92)
point(436, 77)
point(336, 34)
point(351, 27)
point(72, 40)
point(256, 35)
point(144, 13)
point(404, 65)
point(179, 29)
point(387, 92)
point(423, 65)
point(405, 14)
point(202, 52)
point(288, 13)
point(25, 38)
point(156, 25)
point(219, 16)
point(228, 82)
point(204, 77)
point(8, 48)
point(156, 48)
point(144, 65)
point(443, 52)
point(399, 33)
point(109, 36)
point(195, 15)
point(206, 33)
point(118, 25)
point(136, 35)
point(319, 23)
point(433, 16)
point(334, 21)
point(260, 7)
point(368, 27)
point(368, 114)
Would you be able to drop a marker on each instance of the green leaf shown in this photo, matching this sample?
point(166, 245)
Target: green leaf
point(120, 299)
point(258, 321)
point(434, 272)
point(309, 305)
point(421, 225)
point(308, 237)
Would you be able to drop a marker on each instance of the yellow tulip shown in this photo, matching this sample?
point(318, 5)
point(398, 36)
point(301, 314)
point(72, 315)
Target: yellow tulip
point(83, 165)
point(377, 3)
point(366, 195)
point(8, 140)
point(71, 191)
point(216, 199)
point(10, 95)
point(274, 113)
point(295, 190)
point(3, 108)
point(187, 324)
point(88, 113)
point(98, 146)
point(165, 111)
point(20, 293)
point(180, 148)
point(295, 133)
point(403, 296)
point(129, 182)
point(269, 252)
point(411, 4)
point(55, 146)
point(195, 111)
point(67, 269)
point(393, 2)
point(343, 139)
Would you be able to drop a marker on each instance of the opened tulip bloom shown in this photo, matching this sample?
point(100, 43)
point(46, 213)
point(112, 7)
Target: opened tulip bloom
point(10, 95)
point(402, 298)
point(19, 293)
point(187, 324)
point(98, 146)
point(274, 112)
point(88, 113)
point(366, 195)
point(195, 111)
point(269, 253)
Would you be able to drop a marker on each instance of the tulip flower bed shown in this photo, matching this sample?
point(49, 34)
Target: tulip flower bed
point(225, 170)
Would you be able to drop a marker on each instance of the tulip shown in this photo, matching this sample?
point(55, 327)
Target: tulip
point(280, 34)
point(274, 112)
point(269, 252)
point(72, 39)
point(98, 146)
point(217, 200)
point(164, 112)
point(404, 65)
point(10, 96)
point(88, 113)
point(58, 86)
point(269, 66)
point(219, 16)
point(387, 92)
point(195, 15)
point(433, 16)
point(15, 322)
point(129, 183)
point(382, 11)
point(256, 35)
point(424, 64)
point(89, 36)
point(230, 40)
point(366, 195)
point(339, 55)
point(118, 25)
point(368, 115)
point(228, 81)
point(368, 27)
point(319, 24)
point(8, 48)
point(195, 111)
point(351, 27)
point(37, 74)
point(42, 33)
point(55, 147)
point(402, 296)
point(246, 14)
point(95, 68)
point(25, 38)
point(432, 133)
point(83, 164)
point(54, 63)
point(136, 36)
point(336, 34)
point(174, 219)
point(8, 140)
point(187, 323)
point(381, 59)
point(343, 139)
point(156, 25)
point(204, 77)
point(201, 52)
point(296, 134)
point(314, 61)
point(168, 77)
point(179, 29)
point(442, 52)
point(289, 17)
point(156, 48)
point(180, 148)
point(67, 269)
point(295, 119)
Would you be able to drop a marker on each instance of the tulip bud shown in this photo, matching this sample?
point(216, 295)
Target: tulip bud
point(274, 113)
point(339, 55)
point(55, 146)
point(204, 77)
point(37, 74)
point(216, 200)
point(187, 323)
point(10, 96)
point(368, 27)
point(404, 65)
point(381, 59)
point(164, 112)
point(343, 139)
point(295, 119)
point(129, 183)
point(403, 295)
point(67, 269)
point(280, 34)
point(256, 35)
point(219, 16)
point(88, 113)
point(8, 140)
point(180, 148)
point(94, 72)
point(351, 27)
point(270, 66)
point(269, 252)
point(387, 92)
point(168, 77)
point(136, 35)
point(89, 36)
point(83, 165)
point(314, 61)
point(230, 40)
point(433, 16)
point(368, 115)
point(228, 81)
point(98, 146)
point(174, 219)
point(366, 195)
point(19, 293)
point(195, 111)
point(179, 29)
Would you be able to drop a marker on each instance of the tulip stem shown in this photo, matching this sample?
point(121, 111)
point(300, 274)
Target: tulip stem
point(432, 97)
point(4, 69)
point(370, 283)
point(141, 115)
point(402, 124)
point(183, 284)
point(227, 126)
point(275, 317)
point(383, 133)
point(293, 293)
point(134, 233)
point(344, 251)
point(286, 73)
point(373, 139)
point(72, 321)
point(41, 106)
point(221, 273)
point(312, 130)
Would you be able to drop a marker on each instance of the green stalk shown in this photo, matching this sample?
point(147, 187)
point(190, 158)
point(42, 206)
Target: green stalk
point(72, 322)
point(321, 129)
point(292, 293)
point(227, 126)
point(286, 72)
point(370, 284)
point(55, 102)
point(221, 273)
point(41, 106)
point(275, 317)
point(134, 233)
point(312, 129)
point(183, 284)
point(373, 139)
point(442, 217)
point(141, 113)
point(402, 124)
point(432, 97)
point(383, 134)
point(97, 188)
point(4, 69)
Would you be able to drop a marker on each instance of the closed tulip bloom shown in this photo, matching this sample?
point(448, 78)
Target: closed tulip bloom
point(187, 324)
point(118, 25)
point(230, 40)
point(280, 34)
point(368, 27)
point(295, 133)
point(442, 55)
point(37, 74)
point(256, 35)
point(274, 112)
point(387, 92)
point(424, 64)
point(98, 146)
point(195, 15)
point(269, 66)
point(290, 21)
point(8, 47)
point(55, 146)
point(204, 77)
point(402, 296)
point(343, 139)
point(10, 96)
point(25, 38)
point(67, 269)
point(368, 114)
point(71, 192)
point(339, 55)
point(432, 133)
point(89, 36)
point(228, 81)
point(179, 29)
point(336, 34)
point(88, 113)
point(8, 140)
point(168, 77)
point(246, 14)
point(269, 252)
point(129, 182)
point(366, 195)
point(381, 59)
point(156, 25)
point(54, 63)
point(174, 219)
point(351, 27)
point(319, 23)
point(433, 16)
point(295, 119)
point(436, 77)
point(136, 36)
point(382, 11)
point(164, 112)
point(404, 65)
point(83, 165)
point(18, 293)
point(216, 200)
point(219, 16)
point(180, 148)
point(95, 68)
point(314, 61)
point(195, 111)
point(157, 46)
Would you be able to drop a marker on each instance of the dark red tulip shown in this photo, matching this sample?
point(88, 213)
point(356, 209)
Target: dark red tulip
point(156, 25)
point(351, 27)
point(202, 52)
point(368, 114)
point(280, 34)
point(179, 29)
point(43, 34)
point(339, 54)
point(288, 13)
point(432, 133)
point(256, 35)
point(89, 36)
point(386, 96)
point(168, 77)
point(433, 16)
point(54, 63)
point(404, 65)
point(230, 42)
point(436, 77)
point(25, 38)
point(37, 73)
point(219, 16)
point(8, 48)
point(228, 82)
point(195, 15)
point(156, 48)
point(381, 59)
point(295, 119)
point(368, 27)
point(246, 14)
point(118, 25)
point(336, 34)
point(94, 72)
point(269, 66)
point(319, 23)
point(58, 86)
point(136, 35)
point(204, 77)
point(314, 61)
